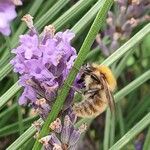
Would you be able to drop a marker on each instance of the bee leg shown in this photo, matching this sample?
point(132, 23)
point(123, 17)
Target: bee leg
point(75, 89)
point(91, 91)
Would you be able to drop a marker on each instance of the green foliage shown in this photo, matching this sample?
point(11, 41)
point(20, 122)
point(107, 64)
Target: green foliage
point(130, 60)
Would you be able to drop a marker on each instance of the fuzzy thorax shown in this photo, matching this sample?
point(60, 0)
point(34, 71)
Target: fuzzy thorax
point(109, 77)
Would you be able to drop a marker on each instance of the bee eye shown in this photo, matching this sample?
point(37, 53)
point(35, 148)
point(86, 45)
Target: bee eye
point(88, 70)
point(94, 77)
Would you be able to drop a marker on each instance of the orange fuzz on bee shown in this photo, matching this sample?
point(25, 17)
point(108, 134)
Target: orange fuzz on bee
point(99, 84)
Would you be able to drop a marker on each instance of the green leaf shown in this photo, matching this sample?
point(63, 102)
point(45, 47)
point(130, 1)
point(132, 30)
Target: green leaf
point(14, 128)
point(50, 14)
point(138, 110)
point(88, 17)
point(132, 133)
point(128, 45)
point(10, 93)
point(121, 120)
point(147, 141)
point(107, 130)
point(23, 138)
point(133, 85)
point(7, 114)
point(71, 13)
point(46, 5)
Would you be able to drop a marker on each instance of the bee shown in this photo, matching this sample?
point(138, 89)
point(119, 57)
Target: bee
point(99, 84)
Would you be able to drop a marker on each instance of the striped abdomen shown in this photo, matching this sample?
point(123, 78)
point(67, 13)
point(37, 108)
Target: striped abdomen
point(90, 107)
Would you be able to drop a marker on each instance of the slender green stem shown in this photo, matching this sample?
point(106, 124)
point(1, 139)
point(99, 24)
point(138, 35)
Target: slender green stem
point(132, 133)
point(7, 114)
point(50, 14)
point(139, 110)
point(8, 43)
point(92, 54)
point(133, 85)
point(112, 130)
point(147, 141)
point(71, 13)
point(9, 110)
point(20, 117)
point(5, 70)
point(14, 128)
point(62, 94)
point(122, 63)
point(24, 137)
point(88, 17)
point(107, 130)
point(47, 5)
point(121, 120)
point(7, 95)
point(128, 45)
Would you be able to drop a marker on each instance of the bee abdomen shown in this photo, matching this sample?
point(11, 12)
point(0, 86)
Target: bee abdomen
point(89, 108)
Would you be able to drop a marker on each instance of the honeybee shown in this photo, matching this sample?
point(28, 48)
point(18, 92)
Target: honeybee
point(99, 85)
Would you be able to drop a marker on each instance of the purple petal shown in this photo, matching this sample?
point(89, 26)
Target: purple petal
point(65, 134)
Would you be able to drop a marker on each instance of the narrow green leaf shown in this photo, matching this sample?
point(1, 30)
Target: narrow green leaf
point(121, 120)
point(132, 133)
point(88, 17)
point(122, 63)
point(71, 13)
point(133, 85)
point(10, 93)
point(93, 53)
point(14, 128)
point(128, 45)
point(107, 130)
point(50, 14)
point(47, 5)
point(112, 130)
point(5, 70)
point(147, 141)
point(9, 110)
point(5, 57)
point(138, 110)
point(23, 138)
point(7, 114)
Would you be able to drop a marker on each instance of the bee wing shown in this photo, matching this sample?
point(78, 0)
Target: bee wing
point(110, 98)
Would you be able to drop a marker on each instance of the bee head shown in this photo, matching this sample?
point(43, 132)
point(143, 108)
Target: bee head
point(91, 77)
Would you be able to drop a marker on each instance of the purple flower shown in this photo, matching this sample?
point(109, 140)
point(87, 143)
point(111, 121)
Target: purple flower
point(43, 61)
point(64, 136)
point(120, 24)
point(7, 14)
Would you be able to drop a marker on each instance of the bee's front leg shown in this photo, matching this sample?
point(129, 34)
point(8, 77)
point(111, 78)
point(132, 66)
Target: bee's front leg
point(76, 89)
point(91, 91)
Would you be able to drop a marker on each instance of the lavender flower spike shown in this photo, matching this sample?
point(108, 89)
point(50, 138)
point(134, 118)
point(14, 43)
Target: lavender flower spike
point(66, 139)
point(121, 22)
point(7, 14)
point(43, 62)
